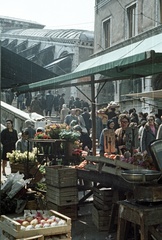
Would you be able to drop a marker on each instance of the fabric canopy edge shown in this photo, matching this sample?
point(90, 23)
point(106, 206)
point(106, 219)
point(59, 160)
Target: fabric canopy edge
point(99, 69)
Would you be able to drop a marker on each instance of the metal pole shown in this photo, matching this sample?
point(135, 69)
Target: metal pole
point(93, 107)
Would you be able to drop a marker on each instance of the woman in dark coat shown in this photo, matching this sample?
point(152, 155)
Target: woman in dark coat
point(148, 135)
point(8, 139)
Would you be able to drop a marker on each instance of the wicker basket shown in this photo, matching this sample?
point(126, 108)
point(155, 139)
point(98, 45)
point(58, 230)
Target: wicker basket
point(21, 167)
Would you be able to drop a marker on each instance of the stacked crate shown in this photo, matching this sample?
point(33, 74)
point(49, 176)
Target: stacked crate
point(62, 191)
point(101, 209)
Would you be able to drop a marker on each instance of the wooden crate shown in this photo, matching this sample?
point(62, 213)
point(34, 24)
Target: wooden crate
point(61, 176)
point(70, 211)
point(62, 196)
point(102, 198)
point(8, 236)
point(13, 228)
point(104, 193)
point(41, 237)
point(21, 167)
point(101, 218)
point(32, 167)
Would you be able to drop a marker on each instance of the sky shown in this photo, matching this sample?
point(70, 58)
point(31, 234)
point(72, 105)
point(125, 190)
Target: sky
point(55, 14)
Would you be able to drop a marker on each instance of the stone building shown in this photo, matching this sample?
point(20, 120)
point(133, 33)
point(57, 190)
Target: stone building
point(59, 51)
point(123, 22)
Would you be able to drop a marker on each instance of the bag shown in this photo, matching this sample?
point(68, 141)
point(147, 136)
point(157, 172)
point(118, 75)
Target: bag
point(84, 130)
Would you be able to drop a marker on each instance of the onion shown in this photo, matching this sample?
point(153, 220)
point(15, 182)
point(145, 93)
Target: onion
point(57, 219)
point(52, 217)
point(22, 228)
point(46, 225)
point(61, 222)
point(54, 224)
point(38, 226)
point(29, 227)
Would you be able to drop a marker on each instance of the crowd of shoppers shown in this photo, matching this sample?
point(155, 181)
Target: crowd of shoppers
point(135, 131)
point(132, 130)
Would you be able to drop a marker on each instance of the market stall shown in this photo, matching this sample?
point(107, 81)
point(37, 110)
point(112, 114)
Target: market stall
point(141, 187)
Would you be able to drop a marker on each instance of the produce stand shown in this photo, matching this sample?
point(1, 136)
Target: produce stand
point(13, 228)
point(141, 189)
point(106, 172)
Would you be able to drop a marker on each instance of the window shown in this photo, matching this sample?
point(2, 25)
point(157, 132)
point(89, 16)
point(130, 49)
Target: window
point(131, 16)
point(107, 35)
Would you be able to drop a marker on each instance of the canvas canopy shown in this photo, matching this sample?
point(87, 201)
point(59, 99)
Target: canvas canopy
point(140, 59)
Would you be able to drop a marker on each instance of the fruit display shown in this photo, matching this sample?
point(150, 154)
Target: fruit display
point(47, 223)
point(138, 159)
point(39, 220)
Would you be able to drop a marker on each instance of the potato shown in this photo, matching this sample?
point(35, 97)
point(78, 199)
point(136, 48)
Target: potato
point(25, 223)
point(34, 222)
point(42, 221)
point(29, 218)
point(49, 220)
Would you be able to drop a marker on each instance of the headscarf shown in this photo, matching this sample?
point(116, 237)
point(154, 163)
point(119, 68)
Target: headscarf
point(109, 122)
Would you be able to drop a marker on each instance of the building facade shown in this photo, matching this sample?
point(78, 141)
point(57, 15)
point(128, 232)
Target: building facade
point(59, 51)
point(119, 23)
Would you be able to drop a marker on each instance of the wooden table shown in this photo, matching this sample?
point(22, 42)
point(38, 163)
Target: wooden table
point(147, 217)
point(105, 179)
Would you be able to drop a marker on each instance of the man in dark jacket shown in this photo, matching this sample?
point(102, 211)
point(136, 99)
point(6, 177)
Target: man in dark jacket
point(8, 139)
point(86, 116)
point(49, 103)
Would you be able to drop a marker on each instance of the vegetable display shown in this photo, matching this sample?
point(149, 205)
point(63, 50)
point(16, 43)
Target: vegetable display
point(37, 220)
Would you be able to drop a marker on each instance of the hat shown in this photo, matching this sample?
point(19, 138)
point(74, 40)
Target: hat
point(25, 131)
point(40, 129)
point(29, 123)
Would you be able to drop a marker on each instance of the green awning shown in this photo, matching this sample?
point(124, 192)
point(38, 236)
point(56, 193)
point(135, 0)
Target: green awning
point(17, 70)
point(140, 59)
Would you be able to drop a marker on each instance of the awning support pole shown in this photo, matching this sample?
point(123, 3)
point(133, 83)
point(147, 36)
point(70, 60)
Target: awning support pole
point(83, 94)
point(93, 107)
